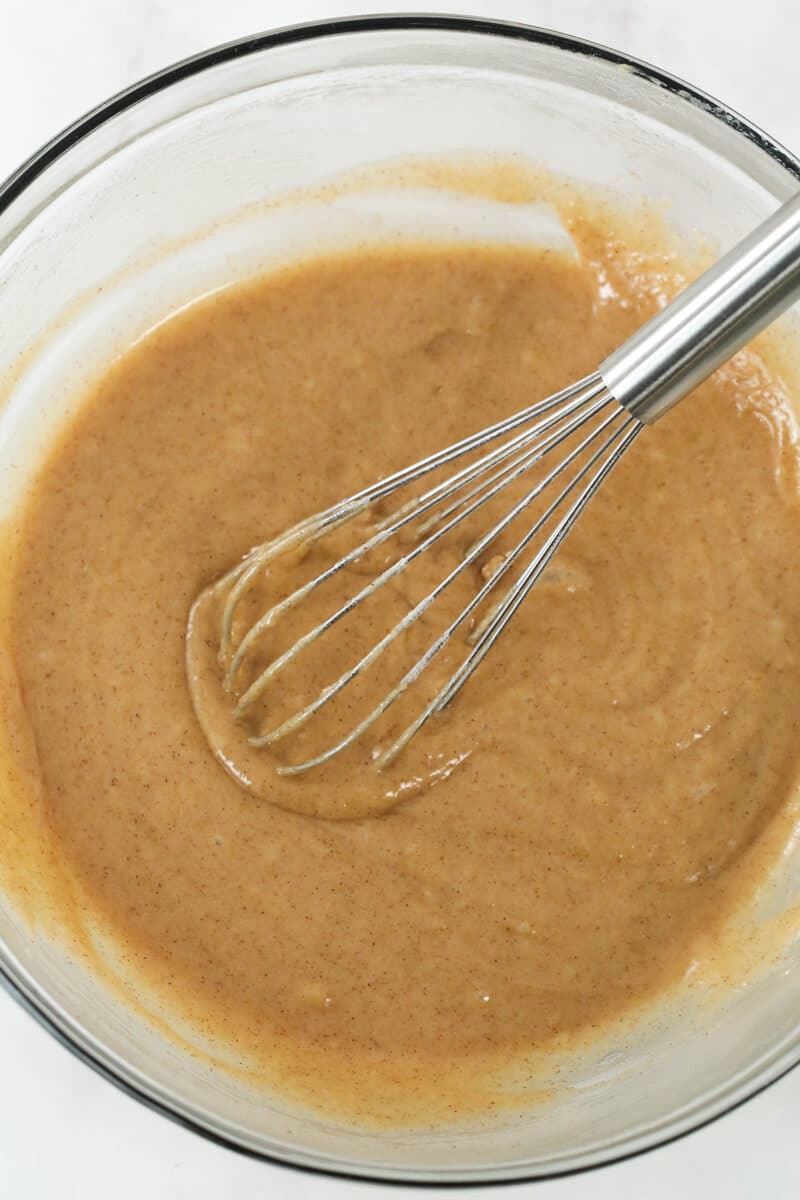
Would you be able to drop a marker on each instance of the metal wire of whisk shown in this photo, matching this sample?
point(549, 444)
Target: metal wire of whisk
point(592, 423)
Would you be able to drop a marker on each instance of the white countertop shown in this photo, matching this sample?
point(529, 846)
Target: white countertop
point(65, 1132)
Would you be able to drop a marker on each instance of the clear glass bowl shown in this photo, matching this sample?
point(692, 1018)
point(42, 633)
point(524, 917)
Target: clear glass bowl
point(159, 195)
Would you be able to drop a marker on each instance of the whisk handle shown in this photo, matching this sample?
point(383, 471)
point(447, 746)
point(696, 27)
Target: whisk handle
point(728, 305)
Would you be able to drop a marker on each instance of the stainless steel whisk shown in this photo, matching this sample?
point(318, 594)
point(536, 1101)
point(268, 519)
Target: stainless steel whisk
point(713, 318)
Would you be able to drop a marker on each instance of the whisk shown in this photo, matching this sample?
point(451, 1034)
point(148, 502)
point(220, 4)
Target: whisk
point(593, 423)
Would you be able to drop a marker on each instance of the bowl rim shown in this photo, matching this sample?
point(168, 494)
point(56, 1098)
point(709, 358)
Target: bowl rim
point(14, 979)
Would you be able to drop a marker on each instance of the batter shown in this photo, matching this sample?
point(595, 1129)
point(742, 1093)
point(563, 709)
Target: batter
point(599, 799)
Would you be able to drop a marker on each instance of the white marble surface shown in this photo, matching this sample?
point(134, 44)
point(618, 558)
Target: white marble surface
point(64, 1132)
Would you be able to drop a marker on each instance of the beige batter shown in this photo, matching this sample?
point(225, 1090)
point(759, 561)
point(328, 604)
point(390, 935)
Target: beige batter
point(604, 788)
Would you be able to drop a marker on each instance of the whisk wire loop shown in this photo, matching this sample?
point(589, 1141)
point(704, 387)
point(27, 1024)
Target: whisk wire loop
point(623, 435)
point(584, 416)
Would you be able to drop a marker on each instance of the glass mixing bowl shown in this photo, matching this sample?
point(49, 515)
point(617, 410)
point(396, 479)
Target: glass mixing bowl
point(158, 196)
